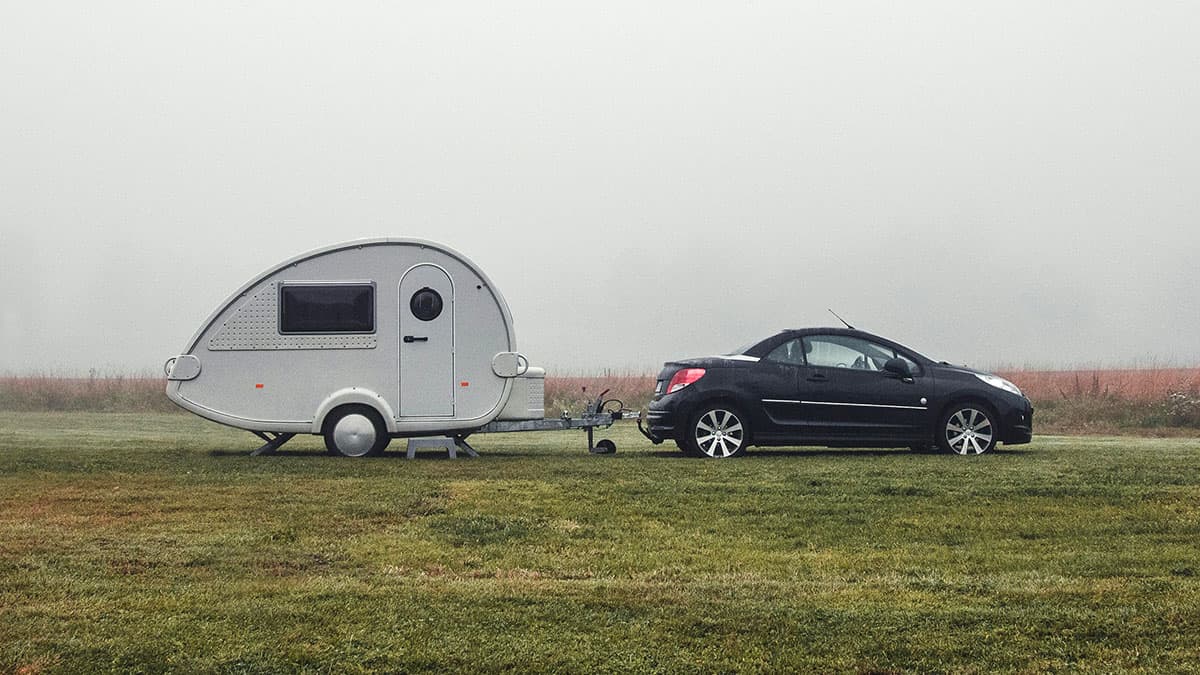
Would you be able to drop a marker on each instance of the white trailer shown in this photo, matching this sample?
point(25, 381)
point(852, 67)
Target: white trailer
point(361, 342)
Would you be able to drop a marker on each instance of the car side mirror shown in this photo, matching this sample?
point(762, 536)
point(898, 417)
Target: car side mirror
point(898, 367)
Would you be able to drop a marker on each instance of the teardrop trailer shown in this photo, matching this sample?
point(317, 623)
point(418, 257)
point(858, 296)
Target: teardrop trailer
point(367, 341)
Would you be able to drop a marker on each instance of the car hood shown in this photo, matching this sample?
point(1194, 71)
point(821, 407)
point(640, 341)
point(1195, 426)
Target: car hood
point(966, 370)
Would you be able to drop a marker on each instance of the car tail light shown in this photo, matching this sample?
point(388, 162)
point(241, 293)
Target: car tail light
point(683, 378)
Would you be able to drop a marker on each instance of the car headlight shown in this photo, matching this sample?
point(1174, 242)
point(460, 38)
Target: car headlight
point(1000, 383)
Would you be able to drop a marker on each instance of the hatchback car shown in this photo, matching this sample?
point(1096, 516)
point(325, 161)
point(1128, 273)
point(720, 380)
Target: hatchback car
point(832, 387)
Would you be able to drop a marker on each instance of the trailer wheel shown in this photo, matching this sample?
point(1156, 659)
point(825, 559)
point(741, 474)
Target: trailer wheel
point(355, 431)
point(604, 447)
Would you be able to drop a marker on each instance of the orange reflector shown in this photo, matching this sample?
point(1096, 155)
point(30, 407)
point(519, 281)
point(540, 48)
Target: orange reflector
point(258, 386)
point(464, 383)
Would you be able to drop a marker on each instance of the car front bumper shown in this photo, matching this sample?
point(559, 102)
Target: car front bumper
point(1017, 424)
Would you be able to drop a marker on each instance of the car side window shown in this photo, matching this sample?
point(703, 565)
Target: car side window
point(846, 351)
point(790, 352)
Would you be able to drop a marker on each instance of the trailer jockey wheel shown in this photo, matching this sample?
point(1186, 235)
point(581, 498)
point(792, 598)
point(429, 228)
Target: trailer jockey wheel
point(604, 447)
point(355, 431)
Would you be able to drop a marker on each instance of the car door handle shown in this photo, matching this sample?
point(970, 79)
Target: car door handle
point(817, 377)
point(413, 338)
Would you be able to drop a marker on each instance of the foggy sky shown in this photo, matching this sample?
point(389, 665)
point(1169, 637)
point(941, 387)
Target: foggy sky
point(1005, 183)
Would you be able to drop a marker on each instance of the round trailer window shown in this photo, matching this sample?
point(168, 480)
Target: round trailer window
point(426, 304)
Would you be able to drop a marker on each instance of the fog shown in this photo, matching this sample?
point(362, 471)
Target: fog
point(1000, 184)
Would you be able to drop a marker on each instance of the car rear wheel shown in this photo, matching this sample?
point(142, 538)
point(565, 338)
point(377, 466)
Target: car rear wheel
point(967, 429)
point(718, 432)
point(355, 431)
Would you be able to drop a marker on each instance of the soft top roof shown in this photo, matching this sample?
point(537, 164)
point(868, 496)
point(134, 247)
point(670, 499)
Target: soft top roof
point(765, 345)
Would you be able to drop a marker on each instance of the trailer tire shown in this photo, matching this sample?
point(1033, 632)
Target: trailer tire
point(355, 431)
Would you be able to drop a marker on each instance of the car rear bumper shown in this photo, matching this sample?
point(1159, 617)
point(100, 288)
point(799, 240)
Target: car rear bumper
point(660, 420)
point(659, 426)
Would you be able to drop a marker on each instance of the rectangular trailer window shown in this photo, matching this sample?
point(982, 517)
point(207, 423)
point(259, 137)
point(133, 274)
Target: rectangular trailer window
point(327, 308)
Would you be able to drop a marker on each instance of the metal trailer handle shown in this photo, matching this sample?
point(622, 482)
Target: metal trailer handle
point(521, 371)
point(167, 366)
point(413, 338)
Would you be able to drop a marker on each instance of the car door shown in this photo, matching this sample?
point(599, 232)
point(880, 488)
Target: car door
point(847, 394)
point(774, 386)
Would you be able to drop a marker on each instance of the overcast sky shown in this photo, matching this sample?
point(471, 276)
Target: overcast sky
point(1003, 183)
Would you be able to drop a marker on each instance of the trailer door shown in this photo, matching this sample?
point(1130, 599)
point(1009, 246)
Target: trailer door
point(426, 343)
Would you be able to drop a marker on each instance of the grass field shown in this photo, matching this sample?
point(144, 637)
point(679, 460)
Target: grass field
point(151, 542)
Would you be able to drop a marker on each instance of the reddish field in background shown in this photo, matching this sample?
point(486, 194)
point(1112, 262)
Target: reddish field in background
point(1150, 400)
point(572, 393)
point(132, 394)
point(92, 394)
point(1150, 384)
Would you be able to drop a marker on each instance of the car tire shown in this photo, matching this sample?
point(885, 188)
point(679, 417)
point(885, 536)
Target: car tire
point(967, 429)
point(717, 431)
point(355, 431)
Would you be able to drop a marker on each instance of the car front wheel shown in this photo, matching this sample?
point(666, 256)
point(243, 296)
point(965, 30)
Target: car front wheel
point(967, 429)
point(718, 432)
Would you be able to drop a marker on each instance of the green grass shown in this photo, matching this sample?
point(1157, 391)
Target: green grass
point(152, 542)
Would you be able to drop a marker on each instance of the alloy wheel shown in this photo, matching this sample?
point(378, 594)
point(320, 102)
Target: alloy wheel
point(969, 431)
point(719, 433)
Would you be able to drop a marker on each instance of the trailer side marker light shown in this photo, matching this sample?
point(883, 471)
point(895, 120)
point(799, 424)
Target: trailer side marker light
point(258, 386)
point(464, 383)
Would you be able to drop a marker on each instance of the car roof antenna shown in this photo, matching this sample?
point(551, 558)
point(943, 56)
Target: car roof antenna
point(842, 320)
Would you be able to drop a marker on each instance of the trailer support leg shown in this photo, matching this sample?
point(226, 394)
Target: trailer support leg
point(461, 442)
point(273, 442)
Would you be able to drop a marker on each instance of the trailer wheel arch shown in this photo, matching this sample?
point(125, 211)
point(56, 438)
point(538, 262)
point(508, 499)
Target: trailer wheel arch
point(353, 396)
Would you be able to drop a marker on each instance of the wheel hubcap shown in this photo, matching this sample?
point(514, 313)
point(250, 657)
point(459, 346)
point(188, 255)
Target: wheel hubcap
point(354, 435)
point(719, 433)
point(969, 432)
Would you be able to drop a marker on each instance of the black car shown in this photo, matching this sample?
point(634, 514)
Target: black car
point(833, 387)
